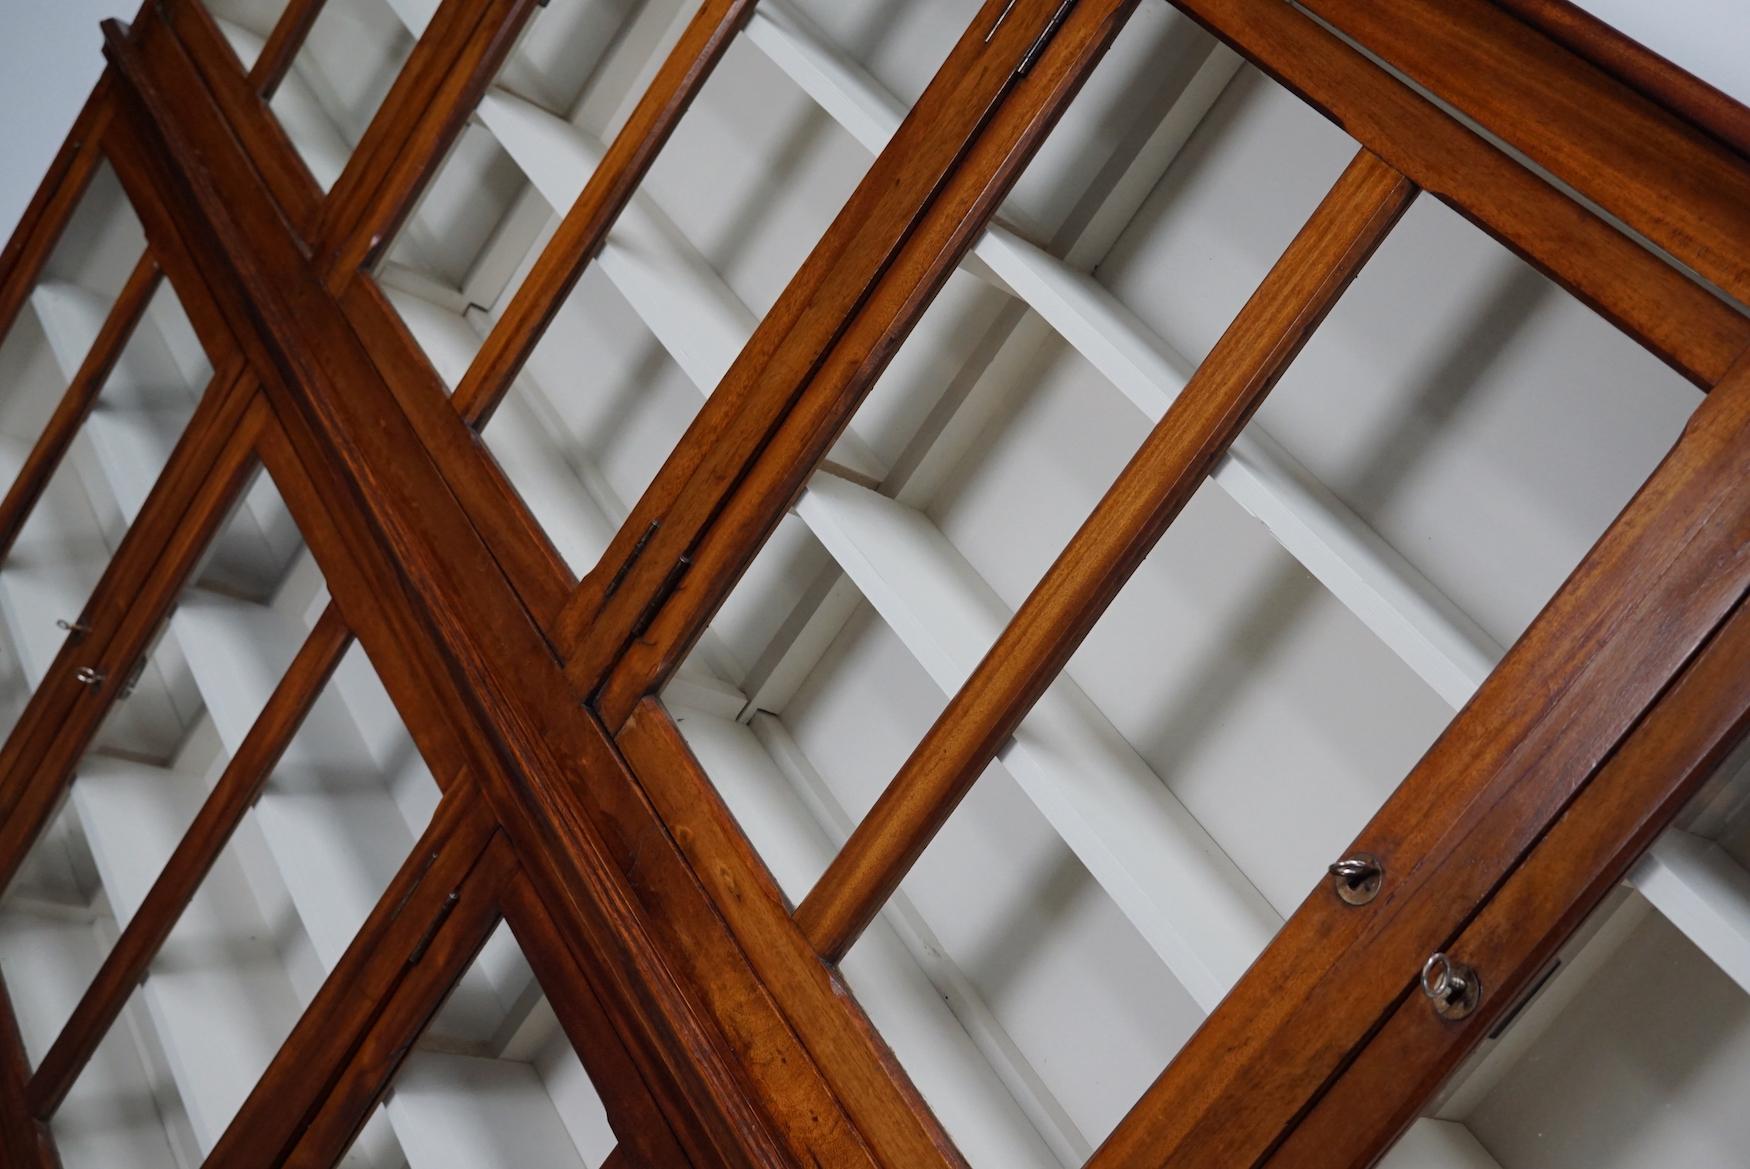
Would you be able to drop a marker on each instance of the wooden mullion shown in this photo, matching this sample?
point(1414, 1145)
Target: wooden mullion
point(1638, 67)
point(819, 1005)
point(1680, 322)
point(282, 46)
point(645, 1132)
point(75, 405)
point(370, 1069)
point(421, 126)
point(422, 80)
point(56, 198)
point(1652, 590)
point(1172, 463)
point(401, 550)
point(206, 473)
point(395, 956)
point(231, 798)
point(859, 293)
point(246, 108)
point(583, 231)
point(1518, 931)
point(1662, 177)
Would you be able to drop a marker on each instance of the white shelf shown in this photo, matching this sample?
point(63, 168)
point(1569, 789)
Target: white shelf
point(984, 1091)
point(1704, 893)
point(218, 992)
point(698, 319)
point(1198, 911)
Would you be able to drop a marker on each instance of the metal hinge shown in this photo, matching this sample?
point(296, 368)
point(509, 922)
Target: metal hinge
point(670, 585)
point(1050, 30)
point(437, 922)
point(626, 567)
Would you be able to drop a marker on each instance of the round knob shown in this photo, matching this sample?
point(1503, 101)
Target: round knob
point(1358, 879)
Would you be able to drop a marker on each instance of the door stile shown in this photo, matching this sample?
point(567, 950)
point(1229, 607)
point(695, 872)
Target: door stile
point(860, 271)
point(205, 476)
point(574, 818)
point(1256, 350)
point(146, 932)
point(1516, 933)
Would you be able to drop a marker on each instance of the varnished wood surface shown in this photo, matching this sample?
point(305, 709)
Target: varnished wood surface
point(232, 797)
point(611, 185)
point(1649, 594)
point(811, 415)
point(1663, 763)
point(810, 340)
point(76, 404)
point(53, 204)
point(1675, 185)
point(1172, 463)
point(1683, 324)
point(1638, 67)
point(719, 1034)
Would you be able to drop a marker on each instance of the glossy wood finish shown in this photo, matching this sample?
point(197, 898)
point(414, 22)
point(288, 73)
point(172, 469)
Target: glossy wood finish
point(585, 227)
point(710, 1016)
point(819, 349)
point(1636, 66)
point(1676, 186)
point(76, 404)
point(1682, 323)
point(1647, 597)
point(1661, 764)
point(1254, 352)
point(232, 797)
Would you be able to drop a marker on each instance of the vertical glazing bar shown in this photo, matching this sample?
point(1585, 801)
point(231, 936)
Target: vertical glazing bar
point(1172, 463)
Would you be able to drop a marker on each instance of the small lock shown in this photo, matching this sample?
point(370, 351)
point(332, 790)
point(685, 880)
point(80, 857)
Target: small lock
point(1452, 987)
point(1357, 879)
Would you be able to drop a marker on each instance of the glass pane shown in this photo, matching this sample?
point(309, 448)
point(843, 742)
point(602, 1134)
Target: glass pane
point(343, 71)
point(328, 828)
point(493, 1081)
point(1251, 698)
point(1636, 1048)
point(754, 175)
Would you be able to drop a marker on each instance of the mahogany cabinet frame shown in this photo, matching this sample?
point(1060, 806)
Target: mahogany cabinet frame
point(710, 1014)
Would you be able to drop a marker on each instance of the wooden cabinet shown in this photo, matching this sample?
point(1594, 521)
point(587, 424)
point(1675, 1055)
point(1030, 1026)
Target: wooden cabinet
point(797, 583)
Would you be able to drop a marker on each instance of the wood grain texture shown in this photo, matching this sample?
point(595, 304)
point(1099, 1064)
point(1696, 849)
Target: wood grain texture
point(1665, 760)
point(815, 1000)
point(1172, 463)
point(639, 1119)
point(235, 793)
point(746, 503)
point(1661, 176)
point(246, 108)
point(205, 476)
point(487, 669)
point(76, 404)
point(803, 340)
point(611, 185)
point(1649, 594)
point(324, 1043)
point(1638, 67)
point(1683, 324)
